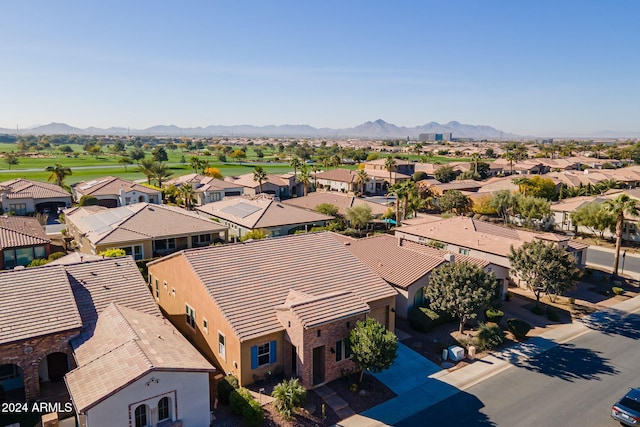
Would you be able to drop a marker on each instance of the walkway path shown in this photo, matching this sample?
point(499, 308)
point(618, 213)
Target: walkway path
point(335, 402)
point(435, 386)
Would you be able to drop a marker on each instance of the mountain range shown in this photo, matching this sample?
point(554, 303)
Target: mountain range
point(378, 129)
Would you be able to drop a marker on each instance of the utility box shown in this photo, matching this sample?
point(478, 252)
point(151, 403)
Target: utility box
point(471, 352)
point(456, 353)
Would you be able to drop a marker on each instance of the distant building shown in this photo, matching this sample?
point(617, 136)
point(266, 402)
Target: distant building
point(435, 136)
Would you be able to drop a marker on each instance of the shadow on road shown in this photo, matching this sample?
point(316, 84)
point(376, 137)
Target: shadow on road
point(569, 363)
point(611, 321)
point(461, 409)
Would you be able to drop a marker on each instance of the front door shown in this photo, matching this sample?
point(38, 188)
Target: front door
point(58, 364)
point(318, 365)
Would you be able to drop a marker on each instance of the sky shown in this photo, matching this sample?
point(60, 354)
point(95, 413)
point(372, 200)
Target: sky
point(542, 68)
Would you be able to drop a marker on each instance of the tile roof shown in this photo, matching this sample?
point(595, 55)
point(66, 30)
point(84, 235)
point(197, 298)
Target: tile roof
point(96, 284)
point(313, 310)
point(24, 188)
point(441, 253)
point(382, 160)
point(110, 185)
point(126, 344)
point(396, 264)
point(36, 301)
point(339, 200)
point(202, 183)
point(313, 263)
point(246, 180)
point(477, 235)
point(260, 212)
point(339, 175)
point(17, 231)
point(138, 221)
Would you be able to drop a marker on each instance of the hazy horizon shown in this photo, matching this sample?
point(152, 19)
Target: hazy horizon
point(545, 68)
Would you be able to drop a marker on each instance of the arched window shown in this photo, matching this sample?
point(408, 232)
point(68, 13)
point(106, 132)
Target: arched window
point(141, 416)
point(163, 409)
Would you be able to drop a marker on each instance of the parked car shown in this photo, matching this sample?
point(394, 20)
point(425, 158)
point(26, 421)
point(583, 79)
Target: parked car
point(627, 409)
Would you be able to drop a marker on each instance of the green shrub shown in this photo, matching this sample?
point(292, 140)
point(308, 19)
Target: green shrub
point(38, 262)
point(518, 327)
point(494, 315)
point(56, 255)
point(239, 399)
point(88, 201)
point(289, 395)
point(225, 387)
point(552, 315)
point(253, 414)
point(537, 310)
point(617, 291)
point(113, 253)
point(423, 319)
point(490, 335)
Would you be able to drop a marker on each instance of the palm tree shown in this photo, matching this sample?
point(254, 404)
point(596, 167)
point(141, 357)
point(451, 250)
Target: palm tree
point(188, 195)
point(335, 161)
point(58, 174)
point(402, 190)
point(390, 166)
point(315, 170)
point(362, 177)
point(196, 163)
point(147, 169)
point(621, 205)
point(475, 159)
point(295, 164)
point(511, 156)
point(259, 175)
point(304, 178)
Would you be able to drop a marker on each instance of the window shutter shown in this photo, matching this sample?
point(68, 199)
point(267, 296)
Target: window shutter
point(273, 357)
point(254, 357)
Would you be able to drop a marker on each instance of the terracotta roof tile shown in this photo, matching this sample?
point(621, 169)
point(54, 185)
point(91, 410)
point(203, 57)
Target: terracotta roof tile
point(127, 344)
point(17, 231)
point(110, 185)
point(313, 311)
point(339, 200)
point(24, 188)
point(313, 263)
point(34, 302)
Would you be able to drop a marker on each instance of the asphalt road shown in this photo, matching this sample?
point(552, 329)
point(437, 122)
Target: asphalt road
point(573, 384)
point(597, 256)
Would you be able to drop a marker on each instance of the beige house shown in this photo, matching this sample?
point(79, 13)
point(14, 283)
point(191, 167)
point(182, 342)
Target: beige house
point(275, 305)
point(339, 200)
point(207, 189)
point(45, 307)
point(483, 240)
point(112, 192)
point(282, 186)
point(22, 196)
point(244, 214)
point(143, 230)
point(22, 239)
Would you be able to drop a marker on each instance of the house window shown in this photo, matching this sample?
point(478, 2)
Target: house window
point(18, 208)
point(164, 245)
point(221, 345)
point(201, 240)
point(163, 409)
point(135, 251)
point(191, 316)
point(157, 289)
point(8, 371)
point(463, 251)
point(263, 354)
point(141, 416)
point(343, 350)
point(205, 325)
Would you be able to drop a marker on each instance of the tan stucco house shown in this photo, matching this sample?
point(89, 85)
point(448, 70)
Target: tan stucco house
point(283, 304)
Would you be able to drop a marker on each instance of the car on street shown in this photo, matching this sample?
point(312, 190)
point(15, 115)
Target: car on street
point(627, 409)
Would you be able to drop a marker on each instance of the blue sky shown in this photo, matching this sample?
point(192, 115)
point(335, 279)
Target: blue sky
point(530, 67)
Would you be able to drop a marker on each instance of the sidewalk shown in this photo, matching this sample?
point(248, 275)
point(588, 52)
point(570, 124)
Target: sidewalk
point(442, 384)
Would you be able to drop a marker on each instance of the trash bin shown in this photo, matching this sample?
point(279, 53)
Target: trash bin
point(471, 352)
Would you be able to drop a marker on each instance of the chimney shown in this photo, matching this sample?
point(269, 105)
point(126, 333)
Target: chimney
point(449, 257)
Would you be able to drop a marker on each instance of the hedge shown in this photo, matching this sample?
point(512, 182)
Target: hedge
point(423, 319)
point(518, 327)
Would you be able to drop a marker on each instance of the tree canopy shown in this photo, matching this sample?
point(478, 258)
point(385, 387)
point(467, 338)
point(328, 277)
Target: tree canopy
point(373, 347)
point(594, 217)
point(460, 289)
point(545, 267)
point(454, 201)
point(359, 216)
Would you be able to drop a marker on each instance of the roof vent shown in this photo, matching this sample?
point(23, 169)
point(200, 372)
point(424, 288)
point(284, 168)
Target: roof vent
point(449, 257)
point(347, 243)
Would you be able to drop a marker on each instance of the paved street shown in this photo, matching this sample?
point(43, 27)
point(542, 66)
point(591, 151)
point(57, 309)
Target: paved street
point(572, 384)
point(604, 257)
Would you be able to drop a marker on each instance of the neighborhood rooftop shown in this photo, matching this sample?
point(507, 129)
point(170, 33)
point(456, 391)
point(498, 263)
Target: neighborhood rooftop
point(313, 263)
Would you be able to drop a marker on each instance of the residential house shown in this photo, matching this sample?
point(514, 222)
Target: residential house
point(22, 196)
point(113, 192)
point(282, 186)
point(484, 240)
point(22, 239)
point(405, 265)
point(460, 185)
point(290, 311)
point(143, 230)
point(339, 200)
point(208, 189)
point(403, 167)
point(346, 181)
point(244, 214)
point(45, 307)
point(136, 370)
